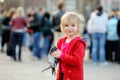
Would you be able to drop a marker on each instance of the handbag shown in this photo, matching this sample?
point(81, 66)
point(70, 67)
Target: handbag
point(9, 50)
point(9, 47)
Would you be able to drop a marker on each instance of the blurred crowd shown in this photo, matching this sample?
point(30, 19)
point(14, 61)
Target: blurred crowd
point(38, 30)
point(103, 31)
point(33, 28)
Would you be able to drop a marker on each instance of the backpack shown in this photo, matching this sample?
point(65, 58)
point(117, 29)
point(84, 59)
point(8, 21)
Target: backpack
point(47, 27)
point(56, 20)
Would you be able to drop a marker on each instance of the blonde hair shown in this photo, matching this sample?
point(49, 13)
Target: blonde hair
point(118, 13)
point(20, 11)
point(73, 17)
point(11, 12)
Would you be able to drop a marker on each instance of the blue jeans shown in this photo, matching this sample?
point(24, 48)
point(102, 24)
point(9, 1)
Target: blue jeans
point(98, 47)
point(36, 48)
point(46, 45)
point(17, 39)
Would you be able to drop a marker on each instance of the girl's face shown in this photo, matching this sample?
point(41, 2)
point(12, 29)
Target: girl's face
point(70, 28)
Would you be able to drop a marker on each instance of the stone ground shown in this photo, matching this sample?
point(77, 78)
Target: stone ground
point(30, 69)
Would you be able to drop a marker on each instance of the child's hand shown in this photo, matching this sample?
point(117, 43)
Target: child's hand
point(56, 54)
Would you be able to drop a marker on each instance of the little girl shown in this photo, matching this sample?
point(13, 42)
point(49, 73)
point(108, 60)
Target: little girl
point(71, 48)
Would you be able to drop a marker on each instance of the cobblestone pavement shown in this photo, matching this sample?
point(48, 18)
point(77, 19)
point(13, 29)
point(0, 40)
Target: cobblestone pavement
point(30, 69)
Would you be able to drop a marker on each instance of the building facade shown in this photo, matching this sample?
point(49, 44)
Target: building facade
point(82, 6)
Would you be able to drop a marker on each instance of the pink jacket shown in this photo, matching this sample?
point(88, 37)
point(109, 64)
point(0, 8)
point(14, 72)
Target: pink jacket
point(19, 23)
point(73, 59)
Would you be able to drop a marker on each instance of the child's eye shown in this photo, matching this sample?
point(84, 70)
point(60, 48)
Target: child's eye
point(73, 25)
point(66, 25)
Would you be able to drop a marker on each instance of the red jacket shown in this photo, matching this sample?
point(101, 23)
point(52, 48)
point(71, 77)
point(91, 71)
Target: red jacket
point(73, 59)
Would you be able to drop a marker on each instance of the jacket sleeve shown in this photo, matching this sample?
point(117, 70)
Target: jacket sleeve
point(77, 57)
point(89, 26)
point(59, 43)
point(118, 28)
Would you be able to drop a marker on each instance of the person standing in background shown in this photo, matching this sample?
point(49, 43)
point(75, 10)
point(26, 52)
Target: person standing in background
point(6, 28)
point(48, 34)
point(112, 39)
point(36, 24)
point(98, 21)
point(19, 26)
point(2, 16)
point(56, 21)
point(118, 32)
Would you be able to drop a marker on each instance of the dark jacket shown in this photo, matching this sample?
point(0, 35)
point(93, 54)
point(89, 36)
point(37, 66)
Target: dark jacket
point(118, 28)
point(56, 20)
point(6, 23)
point(47, 27)
point(37, 24)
